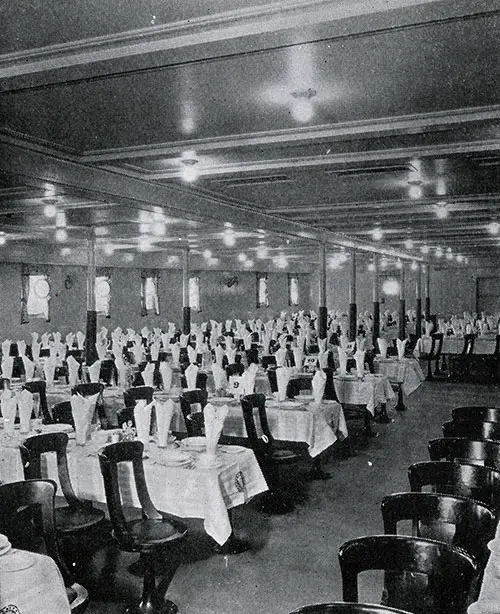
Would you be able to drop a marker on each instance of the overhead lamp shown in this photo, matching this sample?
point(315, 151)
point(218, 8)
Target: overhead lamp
point(383, 262)
point(409, 243)
point(449, 255)
point(189, 171)
point(128, 257)
point(213, 261)
point(466, 260)
point(494, 228)
point(302, 108)
point(280, 261)
point(228, 237)
point(377, 233)
point(439, 252)
point(415, 192)
point(60, 219)
point(101, 231)
point(172, 259)
point(3, 238)
point(61, 235)
point(207, 254)
point(242, 257)
point(441, 211)
point(414, 266)
point(65, 251)
point(249, 263)
point(109, 249)
point(50, 209)
point(159, 229)
point(460, 258)
point(262, 252)
point(371, 266)
point(399, 264)
point(424, 249)
point(228, 225)
point(390, 286)
point(343, 257)
point(144, 243)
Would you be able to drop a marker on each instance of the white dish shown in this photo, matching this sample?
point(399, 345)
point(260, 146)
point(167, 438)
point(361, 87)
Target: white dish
point(194, 443)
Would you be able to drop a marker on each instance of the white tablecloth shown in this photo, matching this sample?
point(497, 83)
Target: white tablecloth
point(36, 589)
point(489, 597)
point(192, 492)
point(372, 390)
point(407, 372)
point(482, 345)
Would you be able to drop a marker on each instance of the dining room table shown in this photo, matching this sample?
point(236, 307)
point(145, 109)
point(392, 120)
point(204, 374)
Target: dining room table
point(404, 373)
point(179, 481)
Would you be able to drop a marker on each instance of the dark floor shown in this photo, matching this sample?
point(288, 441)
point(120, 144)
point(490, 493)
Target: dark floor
point(293, 560)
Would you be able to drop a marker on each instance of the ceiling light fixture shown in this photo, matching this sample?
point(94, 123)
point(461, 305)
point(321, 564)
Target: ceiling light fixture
point(377, 233)
point(65, 251)
point(399, 264)
point(371, 266)
point(439, 252)
point(449, 255)
point(415, 192)
point(409, 244)
point(207, 254)
point(3, 239)
point(249, 263)
point(242, 257)
point(302, 108)
point(61, 235)
point(50, 210)
point(144, 244)
point(414, 266)
point(109, 249)
point(228, 237)
point(60, 219)
point(189, 171)
point(441, 211)
point(424, 249)
point(262, 252)
point(460, 258)
point(494, 228)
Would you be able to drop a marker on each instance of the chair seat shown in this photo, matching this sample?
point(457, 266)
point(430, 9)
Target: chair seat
point(150, 534)
point(70, 519)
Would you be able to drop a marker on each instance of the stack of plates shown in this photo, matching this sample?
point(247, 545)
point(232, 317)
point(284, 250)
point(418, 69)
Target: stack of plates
point(197, 444)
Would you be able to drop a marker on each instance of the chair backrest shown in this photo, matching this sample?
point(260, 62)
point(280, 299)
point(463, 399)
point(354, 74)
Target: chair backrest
point(77, 354)
point(450, 572)
point(39, 387)
point(468, 343)
point(193, 419)
point(201, 380)
point(479, 412)
point(31, 453)
point(109, 458)
point(108, 373)
point(248, 403)
point(88, 389)
point(38, 497)
point(330, 394)
point(472, 429)
point(62, 413)
point(450, 448)
point(131, 395)
point(342, 607)
point(432, 514)
point(437, 344)
point(252, 355)
point(268, 361)
point(237, 368)
point(273, 379)
point(496, 351)
point(463, 479)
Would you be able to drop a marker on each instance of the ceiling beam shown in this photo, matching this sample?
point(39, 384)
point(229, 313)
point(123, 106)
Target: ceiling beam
point(98, 183)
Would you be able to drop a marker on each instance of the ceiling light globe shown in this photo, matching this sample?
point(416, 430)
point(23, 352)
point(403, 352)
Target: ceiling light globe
point(50, 210)
point(424, 249)
point(207, 254)
point(61, 235)
point(242, 257)
point(409, 244)
point(377, 234)
point(494, 228)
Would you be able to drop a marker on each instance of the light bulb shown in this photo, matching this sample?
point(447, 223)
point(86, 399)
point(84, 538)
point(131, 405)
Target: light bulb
point(377, 234)
point(61, 235)
point(50, 210)
point(229, 238)
point(189, 173)
point(415, 192)
point(3, 239)
point(371, 266)
point(302, 110)
point(65, 251)
point(262, 252)
point(494, 228)
point(460, 258)
point(399, 264)
point(249, 263)
point(242, 257)
point(207, 254)
point(439, 252)
point(414, 266)
point(441, 211)
point(409, 243)
point(109, 249)
point(424, 249)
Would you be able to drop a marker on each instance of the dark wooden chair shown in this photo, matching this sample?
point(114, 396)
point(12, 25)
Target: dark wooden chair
point(109, 373)
point(130, 397)
point(472, 429)
point(479, 413)
point(458, 521)
point(461, 479)
point(341, 607)
point(269, 455)
point(268, 361)
point(433, 355)
point(237, 368)
point(451, 448)
point(62, 413)
point(201, 380)
point(450, 572)
point(156, 536)
point(39, 387)
point(330, 394)
point(459, 366)
point(195, 425)
point(26, 517)
point(252, 355)
point(78, 515)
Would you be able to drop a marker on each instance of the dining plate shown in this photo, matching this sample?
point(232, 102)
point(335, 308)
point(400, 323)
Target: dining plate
point(55, 428)
point(16, 560)
point(194, 443)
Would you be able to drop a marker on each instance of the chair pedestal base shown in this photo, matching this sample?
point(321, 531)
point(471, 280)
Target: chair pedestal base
point(400, 406)
point(168, 607)
point(275, 503)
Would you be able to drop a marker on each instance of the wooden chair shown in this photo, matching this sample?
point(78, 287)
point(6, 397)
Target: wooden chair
point(330, 394)
point(433, 514)
point(252, 355)
point(269, 455)
point(451, 448)
point(341, 607)
point(472, 429)
point(156, 536)
point(450, 572)
point(459, 366)
point(130, 397)
point(433, 355)
point(109, 373)
point(268, 361)
point(27, 509)
point(78, 515)
point(195, 425)
point(201, 380)
point(237, 368)
point(461, 479)
point(479, 412)
point(62, 413)
point(39, 387)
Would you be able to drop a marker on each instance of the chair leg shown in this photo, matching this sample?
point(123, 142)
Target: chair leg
point(152, 601)
point(274, 501)
point(429, 377)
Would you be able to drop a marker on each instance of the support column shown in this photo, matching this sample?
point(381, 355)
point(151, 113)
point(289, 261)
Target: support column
point(353, 313)
point(427, 294)
point(376, 302)
point(418, 303)
point(322, 311)
point(91, 326)
point(186, 310)
point(402, 305)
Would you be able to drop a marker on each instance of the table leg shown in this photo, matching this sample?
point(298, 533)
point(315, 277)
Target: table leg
point(233, 545)
point(400, 406)
point(383, 416)
point(316, 472)
point(369, 432)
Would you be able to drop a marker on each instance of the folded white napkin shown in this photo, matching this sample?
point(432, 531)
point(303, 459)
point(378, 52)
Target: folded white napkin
point(7, 365)
point(183, 340)
point(95, 371)
point(342, 361)
point(155, 351)
point(228, 325)
point(166, 376)
point(25, 406)
point(219, 354)
point(322, 345)
point(228, 342)
point(142, 417)
point(34, 337)
point(73, 368)
point(21, 348)
point(70, 337)
point(176, 352)
point(122, 369)
point(248, 379)
point(8, 405)
point(220, 379)
point(49, 368)
point(192, 354)
point(145, 332)
point(280, 356)
point(148, 374)
point(164, 413)
point(35, 350)
point(318, 386)
point(214, 417)
point(137, 352)
point(80, 339)
point(6, 348)
point(298, 356)
point(429, 327)
point(191, 373)
point(382, 346)
point(82, 409)
point(468, 328)
point(29, 368)
point(359, 357)
point(283, 375)
point(344, 342)
point(266, 340)
point(401, 348)
point(231, 355)
point(45, 340)
point(165, 340)
point(323, 359)
point(57, 337)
